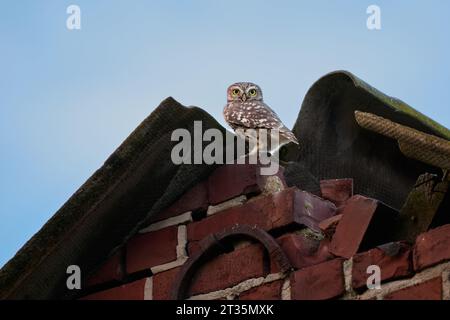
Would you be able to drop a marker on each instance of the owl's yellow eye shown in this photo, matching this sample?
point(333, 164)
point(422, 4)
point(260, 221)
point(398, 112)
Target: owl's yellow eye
point(235, 92)
point(252, 92)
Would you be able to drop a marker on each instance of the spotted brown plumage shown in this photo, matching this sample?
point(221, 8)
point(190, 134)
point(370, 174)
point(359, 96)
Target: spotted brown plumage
point(246, 109)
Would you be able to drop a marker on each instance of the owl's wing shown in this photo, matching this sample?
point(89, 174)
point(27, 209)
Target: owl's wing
point(256, 114)
point(286, 133)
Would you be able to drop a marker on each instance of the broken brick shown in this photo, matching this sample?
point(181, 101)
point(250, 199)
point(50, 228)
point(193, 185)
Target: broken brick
point(337, 191)
point(328, 226)
point(365, 224)
point(285, 208)
point(311, 209)
point(394, 260)
point(432, 247)
point(303, 251)
point(230, 181)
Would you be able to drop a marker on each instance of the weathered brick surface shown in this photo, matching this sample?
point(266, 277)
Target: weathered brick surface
point(360, 225)
point(394, 260)
point(267, 212)
point(228, 270)
point(319, 282)
point(353, 228)
point(151, 249)
point(163, 283)
point(129, 291)
point(310, 209)
point(193, 247)
point(337, 191)
point(303, 251)
point(195, 199)
point(111, 270)
point(287, 207)
point(428, 290)
point(328, 226)
point(268, 291)
point(432, 247)
point(230, 181)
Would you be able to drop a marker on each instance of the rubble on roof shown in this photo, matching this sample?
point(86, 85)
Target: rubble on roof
point(224, 257)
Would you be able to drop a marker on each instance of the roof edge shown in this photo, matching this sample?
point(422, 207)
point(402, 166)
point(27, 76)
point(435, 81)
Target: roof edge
point(72, 213)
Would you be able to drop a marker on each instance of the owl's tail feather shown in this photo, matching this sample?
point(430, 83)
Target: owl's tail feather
point(287, 134)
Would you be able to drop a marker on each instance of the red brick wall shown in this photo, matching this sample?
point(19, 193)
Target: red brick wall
point(331, 265)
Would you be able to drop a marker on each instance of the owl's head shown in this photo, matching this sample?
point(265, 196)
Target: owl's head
point(243, 91)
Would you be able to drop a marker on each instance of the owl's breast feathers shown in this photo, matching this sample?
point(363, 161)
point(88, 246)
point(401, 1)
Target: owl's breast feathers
point(254, 114)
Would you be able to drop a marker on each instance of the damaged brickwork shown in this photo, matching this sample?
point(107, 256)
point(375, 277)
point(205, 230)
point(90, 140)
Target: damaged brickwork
point(328, 241)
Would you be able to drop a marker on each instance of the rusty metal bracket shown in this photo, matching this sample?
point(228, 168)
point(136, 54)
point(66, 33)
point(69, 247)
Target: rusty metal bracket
point(216, 244)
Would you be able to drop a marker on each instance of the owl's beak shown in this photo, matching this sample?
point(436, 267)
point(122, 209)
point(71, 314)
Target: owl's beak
point(244, 97)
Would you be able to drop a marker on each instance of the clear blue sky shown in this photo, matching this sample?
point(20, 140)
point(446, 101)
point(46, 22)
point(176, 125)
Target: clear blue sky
point(69, 98)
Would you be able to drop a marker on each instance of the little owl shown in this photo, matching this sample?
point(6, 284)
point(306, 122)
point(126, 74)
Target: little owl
point(246, 109)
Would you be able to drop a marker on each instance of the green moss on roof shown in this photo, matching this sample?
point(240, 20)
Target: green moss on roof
point(399, 105)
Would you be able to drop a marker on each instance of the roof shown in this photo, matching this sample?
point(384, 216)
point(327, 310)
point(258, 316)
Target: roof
point(139, 179)
point(335, 146)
